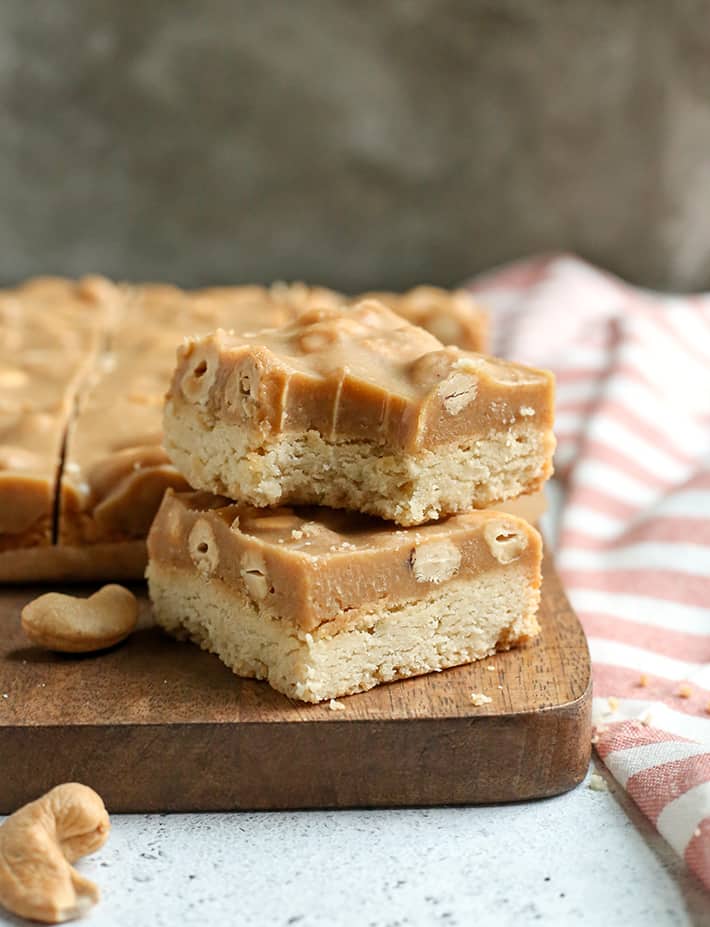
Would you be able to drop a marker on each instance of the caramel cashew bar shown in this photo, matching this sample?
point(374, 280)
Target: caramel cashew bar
point(358, 409)
point(324, 603)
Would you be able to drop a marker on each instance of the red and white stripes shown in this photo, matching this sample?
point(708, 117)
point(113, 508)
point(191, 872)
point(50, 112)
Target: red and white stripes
point(633, 462)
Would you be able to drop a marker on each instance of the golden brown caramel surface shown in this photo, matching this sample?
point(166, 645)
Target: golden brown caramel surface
point(357, 373)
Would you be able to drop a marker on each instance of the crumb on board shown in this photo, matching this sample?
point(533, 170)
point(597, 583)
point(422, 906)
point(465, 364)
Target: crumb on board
point(613, 703)
point(597, 783)
point(684, 690)
point(335, 705)
point(478, 699)
point(643, 680)
point(491, 668)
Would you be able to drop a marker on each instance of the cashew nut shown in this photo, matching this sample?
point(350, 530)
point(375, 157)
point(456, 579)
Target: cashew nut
point(458, 391)
point(73, 625)
point(317, 339)
point(435, 562)
point(37, 845)
point(200, 371)
point(505, 542)
point(431, 368)
point(253, 572)
point(202, 545)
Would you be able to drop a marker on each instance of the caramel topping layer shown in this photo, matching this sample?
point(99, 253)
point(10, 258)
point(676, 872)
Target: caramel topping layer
point(358, 373)
point(51, 331)
point(311, 566)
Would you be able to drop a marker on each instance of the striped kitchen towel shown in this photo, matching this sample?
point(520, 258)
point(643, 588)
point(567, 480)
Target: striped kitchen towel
point(633, 533)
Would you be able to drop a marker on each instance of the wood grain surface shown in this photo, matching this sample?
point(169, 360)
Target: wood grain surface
point(156, 725)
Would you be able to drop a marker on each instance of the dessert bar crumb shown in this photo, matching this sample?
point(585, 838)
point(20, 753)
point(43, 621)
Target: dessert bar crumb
point(478, 699)
point(597, 783)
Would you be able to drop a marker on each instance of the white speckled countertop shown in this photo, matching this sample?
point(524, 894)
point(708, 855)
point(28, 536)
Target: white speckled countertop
point(583, 858)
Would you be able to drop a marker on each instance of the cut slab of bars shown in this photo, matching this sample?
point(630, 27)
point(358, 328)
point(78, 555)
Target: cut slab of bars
point(83, 369)
point(51, 333)
point(358, 409)
point(324, 603)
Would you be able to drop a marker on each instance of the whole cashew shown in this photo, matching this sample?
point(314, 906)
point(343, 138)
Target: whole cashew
point(72, 625)
point(37, 844)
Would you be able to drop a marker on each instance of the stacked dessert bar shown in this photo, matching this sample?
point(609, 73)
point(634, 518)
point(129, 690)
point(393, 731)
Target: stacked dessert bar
point(84, 366)
point(337, 537)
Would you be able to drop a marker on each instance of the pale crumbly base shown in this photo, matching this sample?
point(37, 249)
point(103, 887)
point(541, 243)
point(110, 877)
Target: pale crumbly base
point(409, 489)
point(456, 623)
point(123, 560)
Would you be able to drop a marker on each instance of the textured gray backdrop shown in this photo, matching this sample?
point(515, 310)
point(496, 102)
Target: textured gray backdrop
point(353, 142)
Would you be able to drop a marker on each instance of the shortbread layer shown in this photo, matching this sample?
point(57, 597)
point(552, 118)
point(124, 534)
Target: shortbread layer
point(462, 622)
point(408, 489)
point(120, 560)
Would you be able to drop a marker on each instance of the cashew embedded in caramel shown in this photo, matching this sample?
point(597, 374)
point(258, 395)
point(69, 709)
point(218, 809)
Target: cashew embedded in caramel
point(458, 391)
point(39, 842)
point(253, 572)
point(435, 562)
point(505, 542)
point(73, 625)
point(203, 547)
point(200, 373)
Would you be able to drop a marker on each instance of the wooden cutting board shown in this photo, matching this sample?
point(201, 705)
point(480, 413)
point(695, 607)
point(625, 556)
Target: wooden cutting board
point(156, 725)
